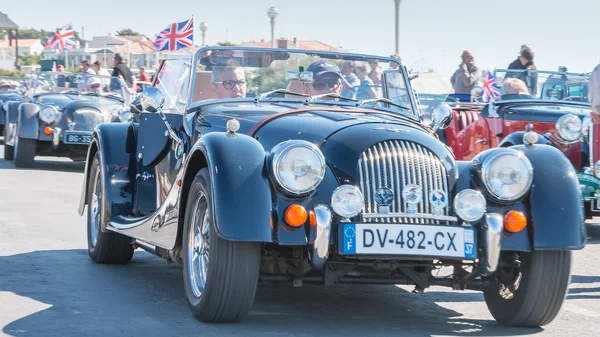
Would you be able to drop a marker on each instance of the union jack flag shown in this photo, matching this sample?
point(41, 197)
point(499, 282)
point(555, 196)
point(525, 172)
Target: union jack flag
point(490, 90)
point(177, 35)
point(63, 39)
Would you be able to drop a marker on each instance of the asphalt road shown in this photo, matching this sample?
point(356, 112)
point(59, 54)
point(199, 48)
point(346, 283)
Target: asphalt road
point(49, 286)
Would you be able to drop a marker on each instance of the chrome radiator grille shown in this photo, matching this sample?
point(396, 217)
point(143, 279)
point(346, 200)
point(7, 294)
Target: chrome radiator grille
point(86, 119)
point(395, 164)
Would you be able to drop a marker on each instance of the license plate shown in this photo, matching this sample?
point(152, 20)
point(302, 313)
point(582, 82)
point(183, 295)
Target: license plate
point(415, 240)
point(77, 138)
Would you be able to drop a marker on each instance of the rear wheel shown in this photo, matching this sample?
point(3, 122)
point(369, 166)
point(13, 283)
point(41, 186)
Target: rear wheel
point(220, 276)
point(531, 294)
point(24, 150)
point(103, 247)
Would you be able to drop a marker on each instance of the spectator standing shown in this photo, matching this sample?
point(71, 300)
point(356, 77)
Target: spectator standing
point(122, 71)
point(143, 76)
point(525, 62)
point(366, 89)
point(350, 81)
point(466, 76)
point(102, 72)
point(594, 94)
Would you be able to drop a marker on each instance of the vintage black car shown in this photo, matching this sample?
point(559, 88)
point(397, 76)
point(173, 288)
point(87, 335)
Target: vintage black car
point(248, 165)
point(59, 115)
point(12, 88)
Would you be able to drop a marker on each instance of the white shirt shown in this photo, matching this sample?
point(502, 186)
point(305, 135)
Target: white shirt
point(594, 90)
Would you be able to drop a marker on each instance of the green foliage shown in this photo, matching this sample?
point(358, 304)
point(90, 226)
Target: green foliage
point(31, 33)
point(4, 72)
point(128, 32)
point(226, 43)
point(29, 60)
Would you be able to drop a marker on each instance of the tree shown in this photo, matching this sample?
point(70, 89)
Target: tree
point(226, 43)
point(128, 32)
point(31, 59)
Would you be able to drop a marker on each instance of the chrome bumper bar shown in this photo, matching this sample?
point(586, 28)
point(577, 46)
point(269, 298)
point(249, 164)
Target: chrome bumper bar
point(319, 249)
point(492, 235)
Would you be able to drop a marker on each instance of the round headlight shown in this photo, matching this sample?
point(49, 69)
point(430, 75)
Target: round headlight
point(347, 201)
point(507, 175)
point(298, 166)
point(48, 114)
point(569, 128)
point(469, 205)
point(597, 169)
point(585, 126)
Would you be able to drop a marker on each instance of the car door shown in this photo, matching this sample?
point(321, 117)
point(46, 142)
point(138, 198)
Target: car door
point(160, 154)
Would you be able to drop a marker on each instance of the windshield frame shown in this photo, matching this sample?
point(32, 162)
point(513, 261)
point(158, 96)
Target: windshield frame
point(323, 54)
point(123, 95)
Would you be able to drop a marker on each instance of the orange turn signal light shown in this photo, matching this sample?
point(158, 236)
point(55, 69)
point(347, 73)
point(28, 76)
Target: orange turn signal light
point(48, 130)
point(515, 221)
point(296, 215)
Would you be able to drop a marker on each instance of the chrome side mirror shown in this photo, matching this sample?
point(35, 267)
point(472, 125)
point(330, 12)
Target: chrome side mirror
point(152, 99)
point(442, 117)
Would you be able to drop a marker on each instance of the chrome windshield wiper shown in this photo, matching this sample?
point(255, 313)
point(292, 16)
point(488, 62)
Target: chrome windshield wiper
point(384, 100)
point(259, 97)
point(314, 97)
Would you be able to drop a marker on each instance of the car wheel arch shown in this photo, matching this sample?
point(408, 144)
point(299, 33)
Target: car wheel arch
point(197, 161)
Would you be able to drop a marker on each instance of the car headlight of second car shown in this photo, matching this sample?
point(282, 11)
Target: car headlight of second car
point(569, 128)
point(298, 166)
point(507, 175)
point(48, 114)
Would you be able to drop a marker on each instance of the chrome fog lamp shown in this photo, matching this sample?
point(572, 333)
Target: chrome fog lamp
point(48, 114)
point(470, 205)
point(507, 175)
point(569, 128)
point(597, 169)
point(347, 201)
point(298, 166)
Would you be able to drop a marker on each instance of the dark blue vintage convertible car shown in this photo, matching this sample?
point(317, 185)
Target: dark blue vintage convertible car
point(249, 164)
point(58, 116)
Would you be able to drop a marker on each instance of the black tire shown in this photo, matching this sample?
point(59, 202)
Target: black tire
point(233, 267)
point(9, 152)
point(544, 284)
point(109, 248)
point(24, 151)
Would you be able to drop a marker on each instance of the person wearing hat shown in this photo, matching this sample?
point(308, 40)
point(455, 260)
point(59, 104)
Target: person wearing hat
point(594, 94)
point(61, 80)
point(524, 62)
point(327, 78)
point(466, 76)
point(94, 85)
point(122, 71)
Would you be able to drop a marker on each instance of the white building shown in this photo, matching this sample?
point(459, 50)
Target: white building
point(26, 46)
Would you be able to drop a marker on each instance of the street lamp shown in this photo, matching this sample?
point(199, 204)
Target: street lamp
point(272, 13)
point(203, 28)
point(397, 4)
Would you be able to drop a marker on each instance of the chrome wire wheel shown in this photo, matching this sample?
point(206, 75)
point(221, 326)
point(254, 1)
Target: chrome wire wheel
point(94, 217)
point(198, 243)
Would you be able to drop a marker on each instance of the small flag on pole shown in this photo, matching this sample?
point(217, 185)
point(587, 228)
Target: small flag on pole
point(490, 90)
point(178, 35)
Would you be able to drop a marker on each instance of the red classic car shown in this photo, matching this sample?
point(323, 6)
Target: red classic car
point(540, 107)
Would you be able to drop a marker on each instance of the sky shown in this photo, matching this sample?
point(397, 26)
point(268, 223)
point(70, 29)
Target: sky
point(436, 31)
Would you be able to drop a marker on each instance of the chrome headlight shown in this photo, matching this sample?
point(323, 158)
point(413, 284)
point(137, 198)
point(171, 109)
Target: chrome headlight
point(470, 205)
point(585, 126)
point(597, 169)
point(48, 114)
point(569, 128)
point(507, 175)
point(347, 201)
point(298, 166)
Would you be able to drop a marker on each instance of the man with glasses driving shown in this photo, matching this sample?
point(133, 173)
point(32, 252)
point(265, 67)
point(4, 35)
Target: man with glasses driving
point(229, 81)
point(327, 79)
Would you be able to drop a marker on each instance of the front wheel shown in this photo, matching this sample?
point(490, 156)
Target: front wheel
point(220, 276)
point(24, 151)
point(532, 294)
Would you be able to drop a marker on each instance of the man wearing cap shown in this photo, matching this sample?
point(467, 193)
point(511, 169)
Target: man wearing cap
point(327, 79)
point(466, 76)
point(61, 80)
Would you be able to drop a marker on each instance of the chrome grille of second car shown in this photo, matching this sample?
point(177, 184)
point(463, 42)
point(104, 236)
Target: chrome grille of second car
point(395, 164)
point(86, 119)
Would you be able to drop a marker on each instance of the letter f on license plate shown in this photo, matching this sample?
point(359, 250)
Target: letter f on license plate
point(421, 240)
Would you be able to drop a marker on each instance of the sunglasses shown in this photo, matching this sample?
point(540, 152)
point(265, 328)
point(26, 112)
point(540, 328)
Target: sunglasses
point(229, 84)
point(321, 84)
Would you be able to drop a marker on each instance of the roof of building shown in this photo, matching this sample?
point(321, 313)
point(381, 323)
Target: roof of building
point(24, 43)
point(6, 23)
point(307, 45)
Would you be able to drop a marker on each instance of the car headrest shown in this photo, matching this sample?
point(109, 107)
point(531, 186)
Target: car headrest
point(203, 88)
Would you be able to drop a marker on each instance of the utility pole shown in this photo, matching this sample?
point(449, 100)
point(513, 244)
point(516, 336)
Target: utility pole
point(397, 12)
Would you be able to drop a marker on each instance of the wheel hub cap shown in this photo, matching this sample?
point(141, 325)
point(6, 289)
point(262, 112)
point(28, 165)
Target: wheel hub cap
point(198, 243)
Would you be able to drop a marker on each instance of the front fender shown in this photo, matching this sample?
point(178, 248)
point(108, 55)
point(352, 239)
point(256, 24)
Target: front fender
point(12, 114)
point(516, 138)
point(29, 124)
point(557, 215)
point(118, 169)
point(242, 200)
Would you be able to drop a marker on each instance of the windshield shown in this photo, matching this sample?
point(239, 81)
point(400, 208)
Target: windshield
point(242, 73)
point(77, 83)
point(545, 85)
